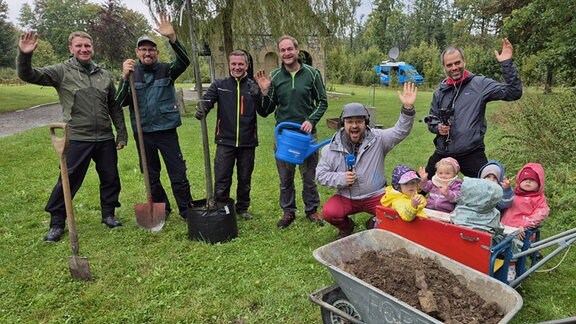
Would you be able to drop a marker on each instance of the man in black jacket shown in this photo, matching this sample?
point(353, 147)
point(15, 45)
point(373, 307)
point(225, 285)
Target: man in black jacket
point(458, 109)
point(239, 100)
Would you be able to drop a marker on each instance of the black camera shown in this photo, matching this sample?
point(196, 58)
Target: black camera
point(444, 115)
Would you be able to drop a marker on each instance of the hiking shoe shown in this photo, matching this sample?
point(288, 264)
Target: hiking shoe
point(315, 218)
point(54, 234)
point(285, 221)
point(111, 222)
point(246, 216)
point(346, 232)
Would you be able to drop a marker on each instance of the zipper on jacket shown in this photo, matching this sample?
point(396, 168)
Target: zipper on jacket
point(239, 110)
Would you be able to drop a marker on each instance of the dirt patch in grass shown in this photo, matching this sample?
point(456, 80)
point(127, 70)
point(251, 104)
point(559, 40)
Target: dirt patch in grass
point(423, 284)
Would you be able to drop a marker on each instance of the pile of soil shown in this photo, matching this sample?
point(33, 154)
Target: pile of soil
point(423, 284)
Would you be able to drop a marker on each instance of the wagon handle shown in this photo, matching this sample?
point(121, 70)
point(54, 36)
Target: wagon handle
point(469, 238)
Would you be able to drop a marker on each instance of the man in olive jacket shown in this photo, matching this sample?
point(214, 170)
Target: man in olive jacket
point(86, 92)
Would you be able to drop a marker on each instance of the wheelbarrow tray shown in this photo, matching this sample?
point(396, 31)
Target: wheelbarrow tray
point(376, 306)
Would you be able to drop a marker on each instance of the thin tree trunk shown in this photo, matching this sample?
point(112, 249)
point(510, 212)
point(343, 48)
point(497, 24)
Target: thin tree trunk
point(227, 27)
point(549, 79)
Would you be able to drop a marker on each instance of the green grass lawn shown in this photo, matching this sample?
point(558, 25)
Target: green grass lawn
point(25, 96)
point(263, 276)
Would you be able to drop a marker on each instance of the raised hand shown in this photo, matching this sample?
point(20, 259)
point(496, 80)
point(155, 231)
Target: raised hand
point(263, 81)
point(164, 27)
point(505, 183)
point(422, 173)
point(28, 42)
point(507, 51)
point(408, 97)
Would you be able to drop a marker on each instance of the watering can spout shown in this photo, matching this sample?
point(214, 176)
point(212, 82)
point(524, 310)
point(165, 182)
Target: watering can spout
point(294, 146)
point(313, 148)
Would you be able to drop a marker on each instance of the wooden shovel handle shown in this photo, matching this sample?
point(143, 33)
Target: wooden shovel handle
point(60, 143)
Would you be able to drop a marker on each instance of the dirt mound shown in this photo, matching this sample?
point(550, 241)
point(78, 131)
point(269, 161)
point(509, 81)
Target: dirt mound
point(425, 285)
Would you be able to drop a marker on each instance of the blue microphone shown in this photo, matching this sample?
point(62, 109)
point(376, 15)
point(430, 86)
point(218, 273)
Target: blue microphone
point(350, 161)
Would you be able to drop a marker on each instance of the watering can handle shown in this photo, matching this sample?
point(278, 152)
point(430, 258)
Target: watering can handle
point(285, 125)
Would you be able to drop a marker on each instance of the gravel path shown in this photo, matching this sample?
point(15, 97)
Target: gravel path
point(22, 120)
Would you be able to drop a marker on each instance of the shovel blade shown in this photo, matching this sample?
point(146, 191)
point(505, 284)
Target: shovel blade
point(79, 268)
point(151, 217)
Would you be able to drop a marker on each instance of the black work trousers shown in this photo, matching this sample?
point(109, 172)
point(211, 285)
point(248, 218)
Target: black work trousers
point(78, 157)
point(167, 144)
point(226, 157)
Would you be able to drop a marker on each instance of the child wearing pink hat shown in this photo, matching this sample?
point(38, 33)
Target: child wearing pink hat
point(529, 207)
point(444, 187)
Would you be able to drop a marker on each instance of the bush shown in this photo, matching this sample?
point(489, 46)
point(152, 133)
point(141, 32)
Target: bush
point(540, 127)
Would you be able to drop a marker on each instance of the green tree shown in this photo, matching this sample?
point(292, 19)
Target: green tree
point(118, 25)
point(549, 38)
point(8, 36)
point(54, 20)
point(44, 54)
point(235, 20)
point(427, 22)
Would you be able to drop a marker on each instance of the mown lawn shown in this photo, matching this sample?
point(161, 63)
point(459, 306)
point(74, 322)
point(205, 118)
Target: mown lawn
point(263, 276)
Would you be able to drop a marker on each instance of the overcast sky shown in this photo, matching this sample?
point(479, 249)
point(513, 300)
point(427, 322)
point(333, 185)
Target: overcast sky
point(136, 5)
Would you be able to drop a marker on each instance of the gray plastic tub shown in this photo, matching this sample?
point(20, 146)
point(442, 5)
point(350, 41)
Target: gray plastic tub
point(375, 306)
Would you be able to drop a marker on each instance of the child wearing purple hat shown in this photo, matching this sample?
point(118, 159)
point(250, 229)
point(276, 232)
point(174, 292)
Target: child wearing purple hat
point(403, 195)
point(444, 187)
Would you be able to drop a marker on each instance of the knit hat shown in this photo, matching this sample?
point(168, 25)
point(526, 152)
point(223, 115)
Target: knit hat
point(490, 169)
point(453, 162)
point(529, 173)
point(402, 175)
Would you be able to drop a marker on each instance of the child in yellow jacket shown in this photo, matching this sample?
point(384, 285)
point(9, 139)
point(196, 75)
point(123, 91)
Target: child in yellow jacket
point(403, 195)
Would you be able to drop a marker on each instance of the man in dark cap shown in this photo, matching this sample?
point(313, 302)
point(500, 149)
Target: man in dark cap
point(159, 113)
point(353, 162)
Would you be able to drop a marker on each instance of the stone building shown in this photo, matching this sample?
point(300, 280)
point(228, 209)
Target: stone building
point(263, 53)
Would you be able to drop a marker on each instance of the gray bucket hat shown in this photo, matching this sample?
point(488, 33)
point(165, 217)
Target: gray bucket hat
point(354, 109)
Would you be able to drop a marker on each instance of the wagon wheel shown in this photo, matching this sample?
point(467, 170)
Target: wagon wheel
point(337, 299)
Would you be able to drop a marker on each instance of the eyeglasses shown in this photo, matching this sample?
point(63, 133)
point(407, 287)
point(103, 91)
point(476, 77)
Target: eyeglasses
point(148, 50)
point(349, 121)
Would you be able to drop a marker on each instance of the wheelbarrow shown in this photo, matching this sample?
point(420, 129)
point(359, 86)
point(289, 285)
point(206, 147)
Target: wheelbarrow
point(364, 303)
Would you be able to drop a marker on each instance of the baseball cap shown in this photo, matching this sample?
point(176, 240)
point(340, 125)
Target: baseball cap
point(145, 38)
point(354, 109)
point(408, 176)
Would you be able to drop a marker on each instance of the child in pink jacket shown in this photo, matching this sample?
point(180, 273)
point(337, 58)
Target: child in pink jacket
point(529, 207)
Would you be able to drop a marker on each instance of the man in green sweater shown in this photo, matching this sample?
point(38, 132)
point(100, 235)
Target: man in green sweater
point(296, 93)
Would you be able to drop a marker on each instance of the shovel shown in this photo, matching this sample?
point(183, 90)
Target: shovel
point(151, 215)
point(79, 266)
